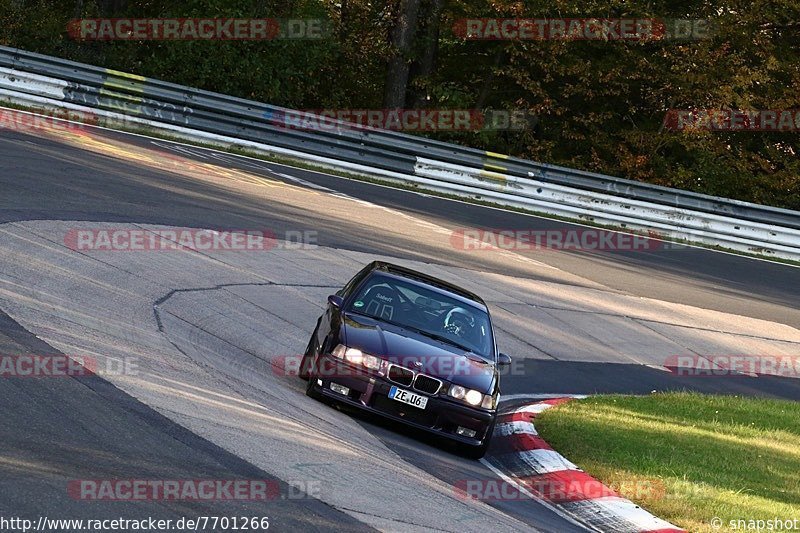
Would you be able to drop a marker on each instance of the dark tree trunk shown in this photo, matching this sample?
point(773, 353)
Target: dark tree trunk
point(344, 17)
point(402, 39)
point(426, 65)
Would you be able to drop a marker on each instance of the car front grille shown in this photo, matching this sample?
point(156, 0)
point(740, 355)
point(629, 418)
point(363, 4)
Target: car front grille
point(427, 384)
point(400, 375)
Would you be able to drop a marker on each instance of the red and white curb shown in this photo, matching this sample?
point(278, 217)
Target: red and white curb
point(523, 459)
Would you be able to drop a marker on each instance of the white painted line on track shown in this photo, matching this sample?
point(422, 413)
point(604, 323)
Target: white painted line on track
point(303, 182)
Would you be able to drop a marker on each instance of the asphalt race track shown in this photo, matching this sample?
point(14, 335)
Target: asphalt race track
point(210, 333)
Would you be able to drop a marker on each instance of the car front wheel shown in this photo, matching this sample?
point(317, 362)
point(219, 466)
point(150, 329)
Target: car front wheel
point(308, 359)
point(311, 391)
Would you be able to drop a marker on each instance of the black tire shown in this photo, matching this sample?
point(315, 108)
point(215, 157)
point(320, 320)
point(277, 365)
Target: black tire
point(311, 392)
point(308, 359)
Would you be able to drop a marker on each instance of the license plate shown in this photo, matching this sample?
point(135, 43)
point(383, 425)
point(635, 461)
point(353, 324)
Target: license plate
point(408, 397)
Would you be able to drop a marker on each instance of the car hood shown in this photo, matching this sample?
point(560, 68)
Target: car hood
point(406, 347)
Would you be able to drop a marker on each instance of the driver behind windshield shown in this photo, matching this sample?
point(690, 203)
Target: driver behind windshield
point(428, 312)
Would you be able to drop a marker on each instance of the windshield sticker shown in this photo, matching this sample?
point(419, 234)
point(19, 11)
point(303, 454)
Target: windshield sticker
point(358, 304)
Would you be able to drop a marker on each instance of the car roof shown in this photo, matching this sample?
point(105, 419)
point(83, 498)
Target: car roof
point(426, 279)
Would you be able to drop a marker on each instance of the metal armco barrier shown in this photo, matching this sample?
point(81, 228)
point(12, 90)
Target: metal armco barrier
point(47, 82)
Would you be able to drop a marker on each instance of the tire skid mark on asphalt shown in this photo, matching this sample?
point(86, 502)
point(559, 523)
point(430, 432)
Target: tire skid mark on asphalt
point(166, 390)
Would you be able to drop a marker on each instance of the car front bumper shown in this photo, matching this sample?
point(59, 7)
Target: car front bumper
point(369, 391)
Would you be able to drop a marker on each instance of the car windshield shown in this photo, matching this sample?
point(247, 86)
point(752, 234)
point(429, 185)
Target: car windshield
point(427, 312)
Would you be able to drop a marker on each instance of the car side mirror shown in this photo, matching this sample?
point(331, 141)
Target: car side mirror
point(503, 359)
point(336, 301)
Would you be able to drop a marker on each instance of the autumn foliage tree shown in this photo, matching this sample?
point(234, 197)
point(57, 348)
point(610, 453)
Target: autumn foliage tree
point(599, 105)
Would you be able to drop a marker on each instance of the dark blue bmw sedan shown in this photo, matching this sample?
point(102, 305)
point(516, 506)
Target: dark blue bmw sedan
point(411, 348)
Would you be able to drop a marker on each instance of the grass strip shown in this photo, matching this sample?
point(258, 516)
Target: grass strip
point(688, 458)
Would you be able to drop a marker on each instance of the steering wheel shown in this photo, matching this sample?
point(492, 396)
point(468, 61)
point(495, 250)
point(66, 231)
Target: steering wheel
point(460, 323)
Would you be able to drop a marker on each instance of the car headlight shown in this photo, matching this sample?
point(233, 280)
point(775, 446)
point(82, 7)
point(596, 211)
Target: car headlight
point(489, 401)
point(356, 356)
point(371, 362)
point(457, 391)
point(472, 397)
point(339, 351)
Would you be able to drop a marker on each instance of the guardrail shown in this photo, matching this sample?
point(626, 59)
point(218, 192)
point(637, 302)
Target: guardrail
point(43, 81)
